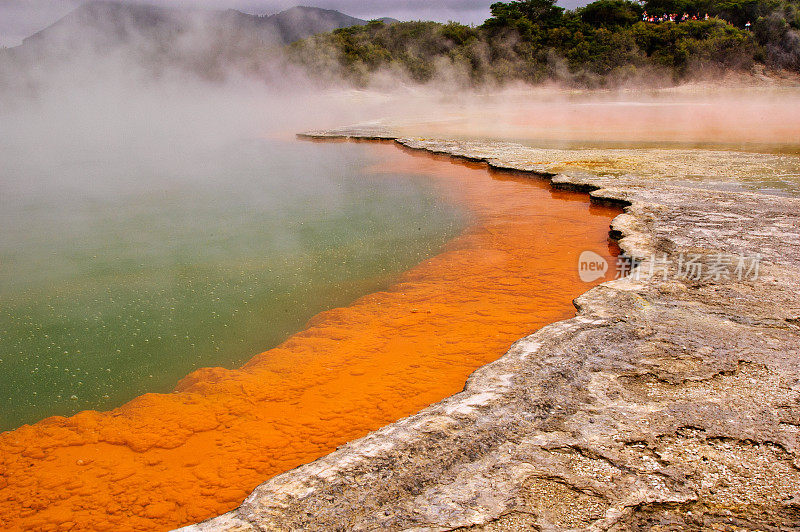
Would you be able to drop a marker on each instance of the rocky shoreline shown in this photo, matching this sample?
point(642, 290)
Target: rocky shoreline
point(671, 401)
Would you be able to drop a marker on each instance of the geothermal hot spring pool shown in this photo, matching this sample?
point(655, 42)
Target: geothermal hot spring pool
point(115, 284)
point(249, 309)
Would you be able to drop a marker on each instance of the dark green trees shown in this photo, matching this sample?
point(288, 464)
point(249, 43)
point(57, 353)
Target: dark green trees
point(605, 42)
point(611, 13)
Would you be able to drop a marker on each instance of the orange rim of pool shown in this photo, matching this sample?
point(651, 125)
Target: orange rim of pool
point(166, 460)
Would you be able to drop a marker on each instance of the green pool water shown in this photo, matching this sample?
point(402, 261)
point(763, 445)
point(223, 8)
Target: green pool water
point(120, 275)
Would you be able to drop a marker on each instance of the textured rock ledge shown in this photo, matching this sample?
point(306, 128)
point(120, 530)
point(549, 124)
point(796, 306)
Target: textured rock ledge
point(666, 403)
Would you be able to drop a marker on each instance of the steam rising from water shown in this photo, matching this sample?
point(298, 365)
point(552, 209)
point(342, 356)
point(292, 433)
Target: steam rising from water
point(86, 126)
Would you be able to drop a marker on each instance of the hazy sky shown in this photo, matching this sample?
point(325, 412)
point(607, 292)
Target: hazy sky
point(21, 18)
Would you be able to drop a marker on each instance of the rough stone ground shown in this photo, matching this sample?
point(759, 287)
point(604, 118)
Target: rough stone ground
point(667, 403)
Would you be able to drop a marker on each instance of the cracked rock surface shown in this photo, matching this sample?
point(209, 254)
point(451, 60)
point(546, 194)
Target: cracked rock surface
point(668, 403)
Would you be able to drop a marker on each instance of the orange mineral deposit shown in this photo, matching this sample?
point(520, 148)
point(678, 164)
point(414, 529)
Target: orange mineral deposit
point(165, 460)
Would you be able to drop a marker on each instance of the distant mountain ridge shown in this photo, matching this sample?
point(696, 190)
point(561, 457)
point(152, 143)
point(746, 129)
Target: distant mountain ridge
point(300, 22)
point(108, 23)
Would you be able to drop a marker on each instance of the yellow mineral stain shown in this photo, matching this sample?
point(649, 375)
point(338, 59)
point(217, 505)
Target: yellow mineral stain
point(165, 460)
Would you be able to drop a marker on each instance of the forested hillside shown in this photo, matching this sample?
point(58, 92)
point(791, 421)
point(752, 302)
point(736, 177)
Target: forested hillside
point(606, 42)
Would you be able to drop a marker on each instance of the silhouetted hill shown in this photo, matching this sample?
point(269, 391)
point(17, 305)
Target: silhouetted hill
point(106, 23)
point(300, 22)
point(205, 42)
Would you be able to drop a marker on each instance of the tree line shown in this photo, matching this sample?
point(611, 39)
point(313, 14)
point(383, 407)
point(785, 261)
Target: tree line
point(604, 43)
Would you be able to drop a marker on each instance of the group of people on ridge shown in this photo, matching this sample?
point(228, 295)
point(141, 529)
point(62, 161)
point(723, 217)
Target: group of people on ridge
point(672, 17)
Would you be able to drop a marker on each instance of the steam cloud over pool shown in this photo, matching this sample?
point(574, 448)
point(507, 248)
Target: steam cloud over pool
point(119, 275)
